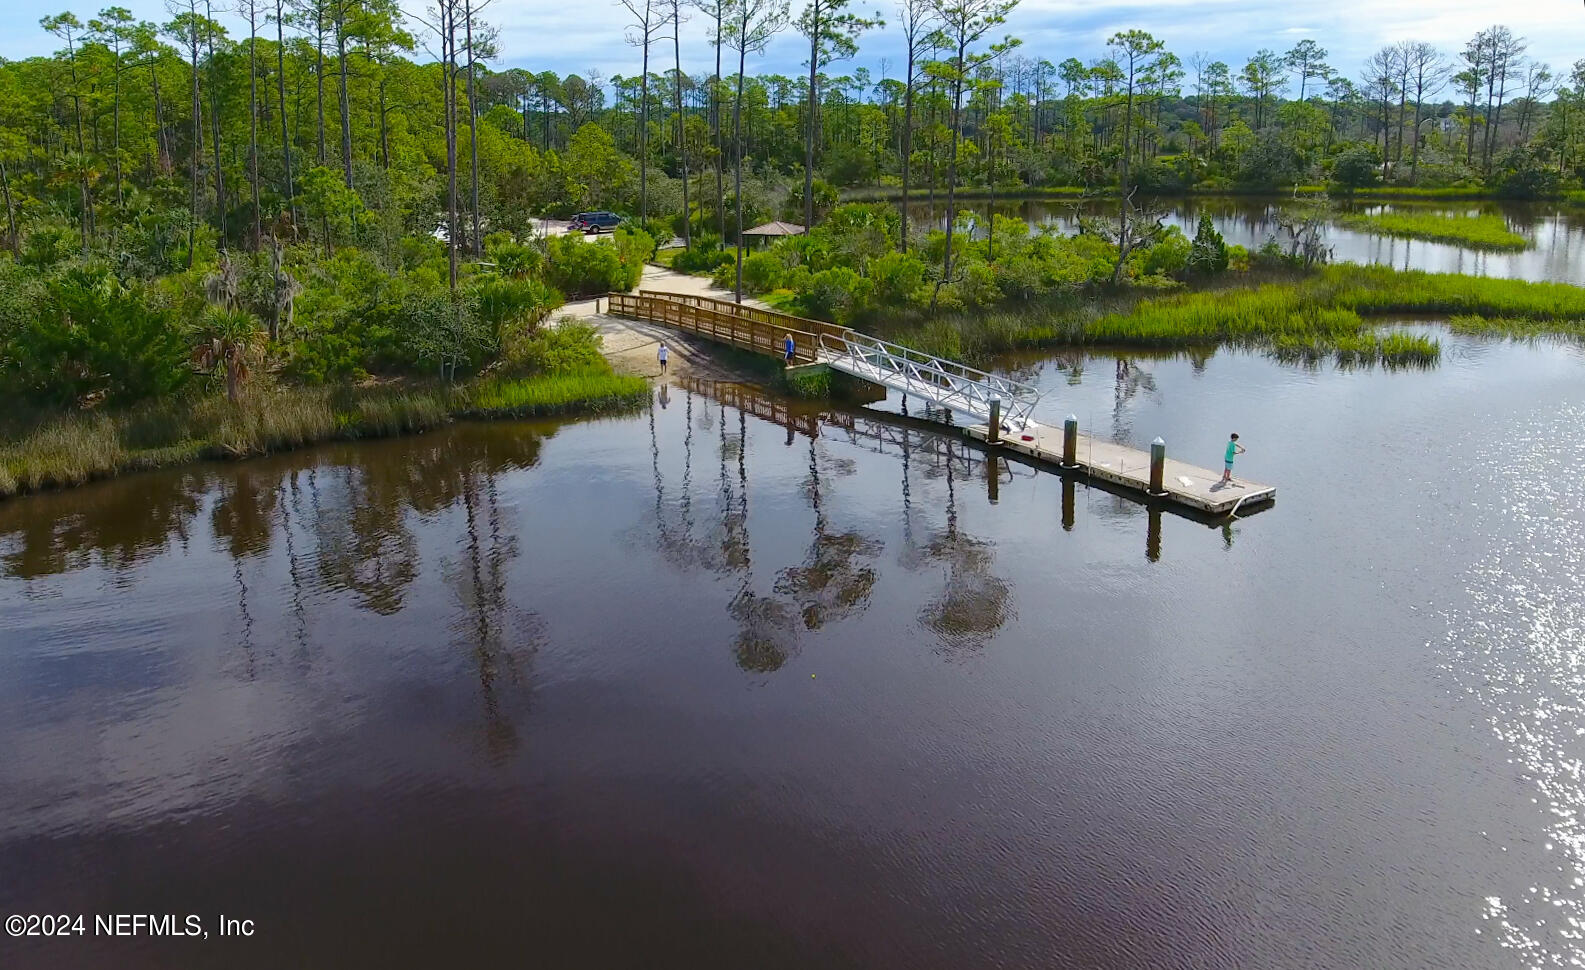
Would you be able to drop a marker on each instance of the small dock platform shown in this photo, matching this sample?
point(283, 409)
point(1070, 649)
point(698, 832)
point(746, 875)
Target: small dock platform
point(1182, 483)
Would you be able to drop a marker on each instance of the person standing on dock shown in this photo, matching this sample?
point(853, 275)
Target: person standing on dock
point(1233, 449)
point(662, 356)
point(788, 347)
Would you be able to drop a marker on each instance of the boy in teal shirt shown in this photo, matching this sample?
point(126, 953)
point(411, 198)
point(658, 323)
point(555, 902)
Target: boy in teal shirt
point(1233, 448)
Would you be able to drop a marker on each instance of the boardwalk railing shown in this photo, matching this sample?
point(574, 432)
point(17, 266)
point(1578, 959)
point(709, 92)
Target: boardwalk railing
point(946, 382)
point(750, 328)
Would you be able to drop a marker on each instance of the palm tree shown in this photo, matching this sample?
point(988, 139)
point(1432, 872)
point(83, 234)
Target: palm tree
point(230, 339)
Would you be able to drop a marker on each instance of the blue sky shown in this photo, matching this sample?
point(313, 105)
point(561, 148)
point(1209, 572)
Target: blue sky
point(582, 36)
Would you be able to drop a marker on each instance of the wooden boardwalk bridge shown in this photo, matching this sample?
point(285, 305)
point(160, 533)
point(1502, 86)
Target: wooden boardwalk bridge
point(1004, 408)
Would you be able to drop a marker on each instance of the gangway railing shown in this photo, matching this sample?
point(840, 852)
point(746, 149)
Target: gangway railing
point(945, 382)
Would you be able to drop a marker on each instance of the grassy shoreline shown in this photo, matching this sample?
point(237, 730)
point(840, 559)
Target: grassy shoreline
point(1487, 232)
point(1386, 193)
point(1332, 313)
point(69, 450)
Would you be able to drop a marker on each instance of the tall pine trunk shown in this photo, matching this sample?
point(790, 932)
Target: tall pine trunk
point(814, 107)
point(11, 218)
point(346, 103)
point(280, 95)
point(198, 141)
point(253, 119)
point(908, 139)
point(214, 121)
point(682, 120)
point(737, 178)
point(715, 112)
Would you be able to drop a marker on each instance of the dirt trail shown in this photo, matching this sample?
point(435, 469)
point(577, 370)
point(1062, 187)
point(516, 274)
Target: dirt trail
point(632, 346)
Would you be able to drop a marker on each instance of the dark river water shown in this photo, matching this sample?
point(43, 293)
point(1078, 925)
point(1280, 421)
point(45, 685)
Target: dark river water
point(724, 684)
point(1556, 232)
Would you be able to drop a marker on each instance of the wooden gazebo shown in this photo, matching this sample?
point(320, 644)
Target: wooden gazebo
point(772, 230)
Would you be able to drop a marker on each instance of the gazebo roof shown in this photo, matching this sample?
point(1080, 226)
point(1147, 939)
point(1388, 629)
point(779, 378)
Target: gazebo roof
point(775, 229)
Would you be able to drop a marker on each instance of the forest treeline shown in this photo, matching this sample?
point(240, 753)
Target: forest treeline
point(315, 191)
point(348, 121)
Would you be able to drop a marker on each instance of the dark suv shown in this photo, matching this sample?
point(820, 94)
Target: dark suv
point(588, 222)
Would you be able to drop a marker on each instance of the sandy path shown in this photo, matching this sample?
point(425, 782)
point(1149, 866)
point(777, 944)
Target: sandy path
point(633, 346)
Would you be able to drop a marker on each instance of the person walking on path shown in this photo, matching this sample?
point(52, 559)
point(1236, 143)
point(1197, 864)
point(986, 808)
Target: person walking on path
point(1233, 449)
point(788, 346)
point(663, 355)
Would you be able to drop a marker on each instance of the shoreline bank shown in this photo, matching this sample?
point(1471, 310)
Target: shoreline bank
point(70, 450)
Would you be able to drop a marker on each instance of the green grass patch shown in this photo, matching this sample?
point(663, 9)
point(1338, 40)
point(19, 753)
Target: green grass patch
point(1517, 328)
point(1408, 192)
point(810, 383)
point(1395, 349)
point(1323, 315)
point(584, 391)
point(66, 450)
point(1477, 231)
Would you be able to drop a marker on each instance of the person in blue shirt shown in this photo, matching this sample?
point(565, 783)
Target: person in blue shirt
point(788, 346)
point(662, 355)
point(1233, 449)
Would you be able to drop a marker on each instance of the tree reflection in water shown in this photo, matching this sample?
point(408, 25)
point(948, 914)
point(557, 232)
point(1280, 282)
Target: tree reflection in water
point(1131, 379)
point(500, 637)
point(364, 543)
point(767, 628)
point(115, 525)
point(974, 604)
point(833, 582)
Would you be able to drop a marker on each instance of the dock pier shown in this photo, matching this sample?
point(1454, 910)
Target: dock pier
point(1181, 483)
point(1005, 405)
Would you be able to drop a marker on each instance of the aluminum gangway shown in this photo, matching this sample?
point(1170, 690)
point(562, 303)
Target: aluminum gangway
point(947, 383)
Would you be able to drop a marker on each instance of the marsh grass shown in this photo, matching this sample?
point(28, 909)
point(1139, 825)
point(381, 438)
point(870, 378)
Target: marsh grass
point(589, 390)
point(60, 451)
point(1477, 232)
point(1324, 315)
point(1516, 328)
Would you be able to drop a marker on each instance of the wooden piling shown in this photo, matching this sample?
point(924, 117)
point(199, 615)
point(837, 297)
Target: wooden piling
point(1158, 466)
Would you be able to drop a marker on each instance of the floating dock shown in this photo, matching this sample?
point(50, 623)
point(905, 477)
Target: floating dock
point(1181, 483)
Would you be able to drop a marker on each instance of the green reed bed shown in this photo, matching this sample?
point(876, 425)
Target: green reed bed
point(1477, 232)
point(1394, 349)
point(1382, 290)
point(1517, 328)
point(584, 391)
point(72, 449)
point(1324, 315)
point(1335, 303)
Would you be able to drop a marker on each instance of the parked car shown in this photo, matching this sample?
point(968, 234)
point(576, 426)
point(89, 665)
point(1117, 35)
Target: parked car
point(594, 222)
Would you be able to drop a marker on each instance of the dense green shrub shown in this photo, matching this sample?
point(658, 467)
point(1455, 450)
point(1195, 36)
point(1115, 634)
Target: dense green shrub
point(1523, 175)
point(762, 272)
point(505, 303)
point(563, 349)
point(898, 278)
point(93, 339)
point(705, 256)
point(1357, 167)
point(833, 294)
point(1169, 256)
point(580, 267)
point(514, 259)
